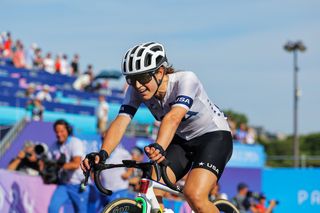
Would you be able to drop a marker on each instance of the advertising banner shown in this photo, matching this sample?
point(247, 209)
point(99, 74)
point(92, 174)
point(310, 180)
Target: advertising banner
point(297, 190)
point(23, 193)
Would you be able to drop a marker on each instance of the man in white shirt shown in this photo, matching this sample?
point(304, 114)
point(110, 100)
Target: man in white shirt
point(102, 114)
point(44, 94)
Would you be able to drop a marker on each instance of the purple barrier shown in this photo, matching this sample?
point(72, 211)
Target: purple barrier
point(233, 176)
point(34, 131)
point(23, 193)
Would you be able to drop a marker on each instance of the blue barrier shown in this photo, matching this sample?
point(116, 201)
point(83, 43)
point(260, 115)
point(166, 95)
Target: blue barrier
point(49, 106)
point(8, 82)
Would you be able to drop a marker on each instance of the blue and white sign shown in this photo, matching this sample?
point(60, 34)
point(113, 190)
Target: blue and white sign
point(297, 190)
point(247, 156)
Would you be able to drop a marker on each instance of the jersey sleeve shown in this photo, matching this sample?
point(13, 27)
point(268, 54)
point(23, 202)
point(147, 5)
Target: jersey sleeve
point(187, 89)
point(130, 103)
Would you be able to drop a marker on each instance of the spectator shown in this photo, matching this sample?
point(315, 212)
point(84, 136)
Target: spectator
point(37, 110)
point(64, 65)
point(251, 136)
point(26, 160)
point(216, 194)
point(44, 94)
point(57, 64)
point(18, 57)
point(241, 133)
point(38, 60)
point(48, 64)
point(152, 129)
point(112, 179)
point(70, 176)
point(83, 82)
point(75, 65)
point(132, 174)
point(29, 93)
point(102, 114)
point(261, 207)
point(241, 200)
point(30, 55)
point(7, 52)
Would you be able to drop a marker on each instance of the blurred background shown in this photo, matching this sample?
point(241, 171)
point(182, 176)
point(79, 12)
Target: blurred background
point(259, 61)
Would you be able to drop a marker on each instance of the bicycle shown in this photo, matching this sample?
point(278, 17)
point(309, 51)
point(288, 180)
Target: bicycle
point(145, 201)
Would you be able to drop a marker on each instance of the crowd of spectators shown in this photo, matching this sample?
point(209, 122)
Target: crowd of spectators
point(248, 201)
point(34, 58)
point(242, 133)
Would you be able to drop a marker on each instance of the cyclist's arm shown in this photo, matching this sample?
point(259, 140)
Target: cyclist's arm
point(115, 132)
point(169, 125)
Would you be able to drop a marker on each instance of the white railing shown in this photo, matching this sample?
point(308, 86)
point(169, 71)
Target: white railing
point(11, 135)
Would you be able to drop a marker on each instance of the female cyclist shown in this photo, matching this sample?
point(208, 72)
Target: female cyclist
point(194, 134)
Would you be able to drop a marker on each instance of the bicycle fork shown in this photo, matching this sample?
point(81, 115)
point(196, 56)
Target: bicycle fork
point(147, 198)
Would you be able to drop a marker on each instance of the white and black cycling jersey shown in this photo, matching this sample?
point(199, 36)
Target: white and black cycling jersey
point(184, 90)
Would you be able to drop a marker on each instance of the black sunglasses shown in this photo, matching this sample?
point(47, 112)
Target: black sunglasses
point(142, 78)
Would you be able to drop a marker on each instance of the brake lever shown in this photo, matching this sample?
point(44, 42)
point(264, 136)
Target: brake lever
point(158, 171)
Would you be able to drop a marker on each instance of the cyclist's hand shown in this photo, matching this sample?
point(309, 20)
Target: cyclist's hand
point(93, 158)
point(155, 152)
point(85, 164)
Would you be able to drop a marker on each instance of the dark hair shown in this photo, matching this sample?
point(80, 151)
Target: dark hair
point(65, 123)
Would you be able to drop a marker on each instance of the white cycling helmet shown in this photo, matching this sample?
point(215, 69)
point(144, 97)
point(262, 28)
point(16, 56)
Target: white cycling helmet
point(143, 58)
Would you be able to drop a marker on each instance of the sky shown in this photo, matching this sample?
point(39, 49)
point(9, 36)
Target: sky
point(234, 47)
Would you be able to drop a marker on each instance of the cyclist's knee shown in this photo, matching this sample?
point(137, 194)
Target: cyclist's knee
point(195, 198)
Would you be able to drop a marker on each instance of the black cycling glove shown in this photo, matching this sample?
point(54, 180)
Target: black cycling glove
point(158, 147)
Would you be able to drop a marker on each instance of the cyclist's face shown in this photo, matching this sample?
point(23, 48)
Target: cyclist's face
point(61, 133)
point(146, 89)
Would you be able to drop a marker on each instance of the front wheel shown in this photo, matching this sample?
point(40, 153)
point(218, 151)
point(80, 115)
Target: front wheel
point(225, 206)
point(123, 205)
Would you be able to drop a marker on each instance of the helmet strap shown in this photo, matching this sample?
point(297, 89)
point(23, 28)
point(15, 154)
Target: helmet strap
point(158, 82)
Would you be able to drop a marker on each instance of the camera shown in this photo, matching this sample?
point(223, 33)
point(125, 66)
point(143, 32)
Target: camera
point(50, 173)
point(41, 150)
point(276, 201)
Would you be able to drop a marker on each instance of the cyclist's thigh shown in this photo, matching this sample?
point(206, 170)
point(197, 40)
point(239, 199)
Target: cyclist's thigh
point(179, 163)
point(212, 151)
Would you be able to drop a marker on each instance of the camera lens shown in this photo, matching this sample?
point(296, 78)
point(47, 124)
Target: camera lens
point(39, 149)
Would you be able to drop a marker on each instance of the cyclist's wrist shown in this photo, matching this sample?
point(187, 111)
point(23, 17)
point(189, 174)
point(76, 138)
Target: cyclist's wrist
point(103, 154)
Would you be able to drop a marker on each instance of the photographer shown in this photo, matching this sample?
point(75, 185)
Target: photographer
point(67, 153)
point(26, 160)
point(261, 207)
point(243, 200)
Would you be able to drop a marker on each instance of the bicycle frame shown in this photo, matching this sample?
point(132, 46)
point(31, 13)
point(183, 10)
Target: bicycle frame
point(147, 197)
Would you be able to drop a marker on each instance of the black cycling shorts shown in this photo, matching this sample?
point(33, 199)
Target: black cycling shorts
point(210, 151)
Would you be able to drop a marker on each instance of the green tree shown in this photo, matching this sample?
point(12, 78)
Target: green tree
point(236, 117)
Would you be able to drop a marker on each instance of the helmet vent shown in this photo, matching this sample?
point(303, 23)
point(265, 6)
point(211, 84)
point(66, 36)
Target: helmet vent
point(124, 67)
point(130, 63)
point(138, 64)
point(147, 61)
point(158, 59)
point(140, 52)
